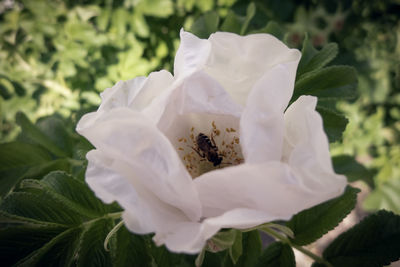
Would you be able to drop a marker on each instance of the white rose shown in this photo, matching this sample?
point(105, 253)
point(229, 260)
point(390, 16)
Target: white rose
point(270, 163)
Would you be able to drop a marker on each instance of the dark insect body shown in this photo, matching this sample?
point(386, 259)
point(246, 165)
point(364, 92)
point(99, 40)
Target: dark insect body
point(206, 148)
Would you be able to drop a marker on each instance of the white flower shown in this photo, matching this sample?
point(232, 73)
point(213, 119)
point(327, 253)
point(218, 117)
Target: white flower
point(234, 90)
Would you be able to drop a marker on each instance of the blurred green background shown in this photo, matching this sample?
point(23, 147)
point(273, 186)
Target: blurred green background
point(57, 56)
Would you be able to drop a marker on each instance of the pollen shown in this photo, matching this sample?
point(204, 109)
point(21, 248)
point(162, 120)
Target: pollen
point(219, 149)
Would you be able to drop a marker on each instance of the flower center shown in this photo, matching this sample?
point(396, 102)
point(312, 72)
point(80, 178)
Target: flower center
point(202, 152)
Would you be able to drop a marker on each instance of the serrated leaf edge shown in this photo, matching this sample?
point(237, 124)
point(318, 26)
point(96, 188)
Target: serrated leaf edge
point(325, 230)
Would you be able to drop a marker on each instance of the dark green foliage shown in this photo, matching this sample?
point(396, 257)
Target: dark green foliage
point(277, 254)
point(209, 23)
point(205, 25)
point(375, 241)
point(334, 123)
point(35, 135)
point(131, 250)
point(59, 221)
point(43, 147)
point(252, 247)
point(56, 220)
point(347, 165)
point(310, 224)
point(313, 59)
point(329, 84)
point(334, 82)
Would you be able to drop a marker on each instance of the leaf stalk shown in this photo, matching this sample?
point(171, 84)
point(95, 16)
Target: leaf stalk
point(303, 250)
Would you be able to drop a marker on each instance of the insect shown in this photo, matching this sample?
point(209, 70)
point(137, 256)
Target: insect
point(206, 148)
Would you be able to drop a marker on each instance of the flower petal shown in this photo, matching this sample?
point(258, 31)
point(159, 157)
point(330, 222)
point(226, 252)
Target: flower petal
point(199, 93)
point(128, 137)
point(191, 55)
point(137, 93)
point(113, 180)
point(272, 187)
point(307, 148)
point(262, 124)
point(237, 62)
point(191, 237)
point(110, 186)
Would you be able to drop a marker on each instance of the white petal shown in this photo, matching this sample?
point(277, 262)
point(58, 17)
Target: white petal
point(137, 93)
point(128, 137)
point(191, 55)
point(156, 84)
point(272, 188)
point(262, 125)
point(307, 147)
point(110, 186)
point(192, 237)
point(144, 212)
point(186, 237)
point(237, 62)
point(121, 94)
point(199, 94)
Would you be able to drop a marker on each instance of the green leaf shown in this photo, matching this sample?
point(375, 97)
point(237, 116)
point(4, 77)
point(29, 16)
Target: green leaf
point(310, 224)
point(273, 28)
point(205, 25)
point(54, 221)
point(372, 242)
point(17, 155)
point(232, 23)
point(250, 12)
point(162, 257)
point(55, 129)
point(4, 92)
point(222, 240)
point(46, 254)
point(90, 250)
point(277, 254)
point(236, 250)
point(15, 160)
point(238, 24)
point(316, 60)
point(69, 191)
point(385, 196)
point(34, 134)
point(17, 242)
point(348, 165)
point(307, 53)
point(25, 161)
point(134, 244)
point(334, 82)
point(334, 123)
point(157, 8)
point(18, 88)
point(252, 247)
point(139, 25)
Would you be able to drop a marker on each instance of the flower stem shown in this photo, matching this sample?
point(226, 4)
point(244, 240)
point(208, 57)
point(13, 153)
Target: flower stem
point(111, 233)
point(312, 255)
point(115, 215)
point(305, 251)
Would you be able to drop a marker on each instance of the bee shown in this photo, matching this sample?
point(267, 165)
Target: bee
point(207, 149)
